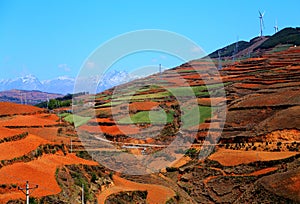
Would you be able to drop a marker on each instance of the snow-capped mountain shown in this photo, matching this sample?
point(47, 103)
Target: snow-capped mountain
point(64, 84)
point(60, 85)
point(29, 82)
point(114, 78)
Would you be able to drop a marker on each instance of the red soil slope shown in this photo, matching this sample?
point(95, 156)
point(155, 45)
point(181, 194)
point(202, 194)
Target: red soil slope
point(40, 171)
point(7, 108)
point(156, 193)
point(10, 150)
point(228, 157)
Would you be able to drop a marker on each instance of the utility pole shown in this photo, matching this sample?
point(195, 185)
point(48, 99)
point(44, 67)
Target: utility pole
point(26, 191)
point(82, 194)
point(160, 70)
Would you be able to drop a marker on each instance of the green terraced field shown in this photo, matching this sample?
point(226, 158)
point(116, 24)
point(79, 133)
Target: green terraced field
point(189, 118)
point(154, 117)
point(76, 119)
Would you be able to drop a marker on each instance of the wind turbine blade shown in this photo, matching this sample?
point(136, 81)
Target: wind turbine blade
point(259, 14)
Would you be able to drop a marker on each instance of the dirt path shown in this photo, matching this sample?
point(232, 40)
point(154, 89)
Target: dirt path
point(156, 193)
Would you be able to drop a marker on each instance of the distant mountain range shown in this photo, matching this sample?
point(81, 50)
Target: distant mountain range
point(62, 85)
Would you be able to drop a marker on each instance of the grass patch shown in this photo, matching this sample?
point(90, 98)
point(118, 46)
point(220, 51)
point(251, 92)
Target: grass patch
point(76, 119)
point(144, 96)
point(195, 90)
point(109, 104)
point(154, 117)
point(189, 118)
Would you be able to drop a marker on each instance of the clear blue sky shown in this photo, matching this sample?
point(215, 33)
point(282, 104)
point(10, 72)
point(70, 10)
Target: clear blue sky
point(52, 38)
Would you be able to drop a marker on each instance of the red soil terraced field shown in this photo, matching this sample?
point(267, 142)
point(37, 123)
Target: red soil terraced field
point(40, 171)
point(7, 108)
point(101, 120)
point(10, 150)
point(228, 157)
point(279, 98)
point(283, 135)
point(156, 193)
point(7, 133)
point(47, 133)
point(248, 86)
point(111, 130)
point(142, 106)
point(27, 121)
point(208, 101)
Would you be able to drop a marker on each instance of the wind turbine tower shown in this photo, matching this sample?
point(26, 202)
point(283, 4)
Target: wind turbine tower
point(276, 27)
point(261, 21)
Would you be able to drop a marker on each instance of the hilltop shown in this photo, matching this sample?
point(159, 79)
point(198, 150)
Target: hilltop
point(257, 46)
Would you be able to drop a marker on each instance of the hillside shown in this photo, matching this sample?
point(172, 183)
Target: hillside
point(259, 45)
point(35, 147)
point(261, 134)
point(165, 138)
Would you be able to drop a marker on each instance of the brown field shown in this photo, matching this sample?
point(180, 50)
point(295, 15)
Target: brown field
point(156, 193)
point(228, 157)
point(10, 150)
point(7, 108)
point(40, 171)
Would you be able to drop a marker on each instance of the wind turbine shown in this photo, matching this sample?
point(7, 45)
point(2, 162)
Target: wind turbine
point(261, 20)
point(276, 27)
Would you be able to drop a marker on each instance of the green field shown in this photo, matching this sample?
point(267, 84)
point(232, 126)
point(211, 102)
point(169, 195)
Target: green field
point(75, 119)
point(189, 118)
point(154, 117)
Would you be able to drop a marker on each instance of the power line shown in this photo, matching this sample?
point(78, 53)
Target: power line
point(26, 190)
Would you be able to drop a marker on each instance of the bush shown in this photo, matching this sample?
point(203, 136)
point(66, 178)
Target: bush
point(94, 177)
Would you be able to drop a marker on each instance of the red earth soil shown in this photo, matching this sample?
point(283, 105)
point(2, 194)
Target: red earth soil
point(40, 171)
point(47, 133)
point(28, 121)
point(143, 106)
point(10, 150)
point(228, 157)
point(7, 133)
point(7, 108)
point(111, 130)
point(156, 193)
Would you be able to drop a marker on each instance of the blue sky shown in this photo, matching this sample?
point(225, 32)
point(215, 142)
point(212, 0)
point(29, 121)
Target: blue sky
point(52, 38)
